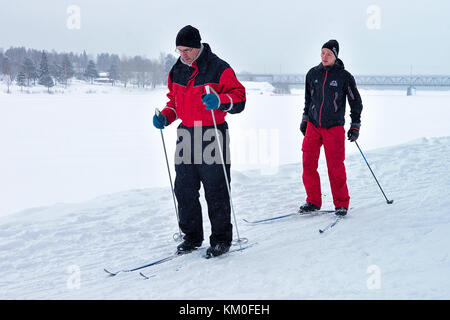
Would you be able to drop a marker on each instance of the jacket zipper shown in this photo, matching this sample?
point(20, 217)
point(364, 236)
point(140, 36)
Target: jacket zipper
point(323, 98)
point(190, 81)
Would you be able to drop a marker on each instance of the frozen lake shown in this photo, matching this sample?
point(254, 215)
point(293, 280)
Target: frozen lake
point(90, 141)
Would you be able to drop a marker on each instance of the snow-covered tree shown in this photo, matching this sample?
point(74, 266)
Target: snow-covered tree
point(45, 78)
point(67, 71)
point(91, 71)
point(125, 71)
point(21, 80)
point(29, 68)
point(56, 72)
point(114, 73)
point(167, 61)
point(8, 71)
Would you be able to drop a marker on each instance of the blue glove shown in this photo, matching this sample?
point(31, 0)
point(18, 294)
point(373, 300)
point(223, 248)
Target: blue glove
point(160, 121)
point(211, 101)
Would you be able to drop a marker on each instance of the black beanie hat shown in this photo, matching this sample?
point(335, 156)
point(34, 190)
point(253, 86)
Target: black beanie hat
point(333, 45)
point(188, 37)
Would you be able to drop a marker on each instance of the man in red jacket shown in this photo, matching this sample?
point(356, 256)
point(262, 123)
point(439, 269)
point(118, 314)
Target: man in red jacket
point(197, 68)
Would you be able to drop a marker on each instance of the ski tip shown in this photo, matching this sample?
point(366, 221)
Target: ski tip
point(111, 274)
point(147, 277)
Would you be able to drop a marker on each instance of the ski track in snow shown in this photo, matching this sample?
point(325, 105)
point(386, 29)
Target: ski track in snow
point(408, 241)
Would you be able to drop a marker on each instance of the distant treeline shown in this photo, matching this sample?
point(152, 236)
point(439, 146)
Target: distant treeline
point(30, 67)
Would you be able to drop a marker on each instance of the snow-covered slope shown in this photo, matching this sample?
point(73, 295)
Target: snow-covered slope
point(380, 251)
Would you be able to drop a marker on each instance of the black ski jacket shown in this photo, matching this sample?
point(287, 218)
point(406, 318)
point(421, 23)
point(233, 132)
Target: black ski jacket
point(326, 90)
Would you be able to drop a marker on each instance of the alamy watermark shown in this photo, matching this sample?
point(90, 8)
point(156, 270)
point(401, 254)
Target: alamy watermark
point(253, 147)
point(74, 279)
point(374, 280)
point(259, 148)
point(73, 21)
point(373, 21)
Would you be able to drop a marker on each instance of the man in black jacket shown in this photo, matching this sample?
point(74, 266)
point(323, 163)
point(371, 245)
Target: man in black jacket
point(327, 87)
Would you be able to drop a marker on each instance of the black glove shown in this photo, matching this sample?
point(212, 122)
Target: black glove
point(353, 132)
point(303, 126)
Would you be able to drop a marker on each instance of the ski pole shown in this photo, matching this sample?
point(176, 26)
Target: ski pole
point(387, 201)
point(176, 236)
point(239, 239)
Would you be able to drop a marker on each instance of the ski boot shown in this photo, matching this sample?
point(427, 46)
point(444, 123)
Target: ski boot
point(217, 250)
point(341, 211)
point(187, 247)
point(308, 208)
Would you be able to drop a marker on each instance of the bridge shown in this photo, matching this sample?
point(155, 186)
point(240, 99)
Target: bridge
point(282, 82)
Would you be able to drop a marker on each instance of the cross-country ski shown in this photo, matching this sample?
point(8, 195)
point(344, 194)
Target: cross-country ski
point(288, 215)
point(159, 261)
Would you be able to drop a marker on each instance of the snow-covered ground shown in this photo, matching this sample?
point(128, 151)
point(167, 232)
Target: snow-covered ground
point(72, 146)
point(380, 251)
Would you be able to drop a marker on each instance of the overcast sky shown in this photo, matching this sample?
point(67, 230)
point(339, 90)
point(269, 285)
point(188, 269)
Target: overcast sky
point(376, 36)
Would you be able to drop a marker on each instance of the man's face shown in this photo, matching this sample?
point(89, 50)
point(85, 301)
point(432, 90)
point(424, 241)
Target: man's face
point(188, 54)
point(328, 57)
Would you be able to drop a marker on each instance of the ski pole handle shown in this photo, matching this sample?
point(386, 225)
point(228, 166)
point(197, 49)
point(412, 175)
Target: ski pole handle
point(157, 112)
point(209, 90)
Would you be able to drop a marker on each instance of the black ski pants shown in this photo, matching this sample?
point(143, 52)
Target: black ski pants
point(198, 162)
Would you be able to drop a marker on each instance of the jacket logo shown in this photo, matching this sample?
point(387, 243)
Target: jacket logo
point(335, 51)
point(316, 81)
point(334, 83)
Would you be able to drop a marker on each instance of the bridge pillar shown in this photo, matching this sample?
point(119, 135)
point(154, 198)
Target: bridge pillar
point(411, 91)
point(281, 88)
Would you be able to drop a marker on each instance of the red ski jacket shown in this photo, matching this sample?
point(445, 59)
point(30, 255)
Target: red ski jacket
point(187, 85)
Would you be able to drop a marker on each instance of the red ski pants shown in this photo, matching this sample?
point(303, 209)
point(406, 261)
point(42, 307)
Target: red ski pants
point(333, 141)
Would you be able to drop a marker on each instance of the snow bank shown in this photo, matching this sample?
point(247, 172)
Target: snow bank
point(380, 251)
